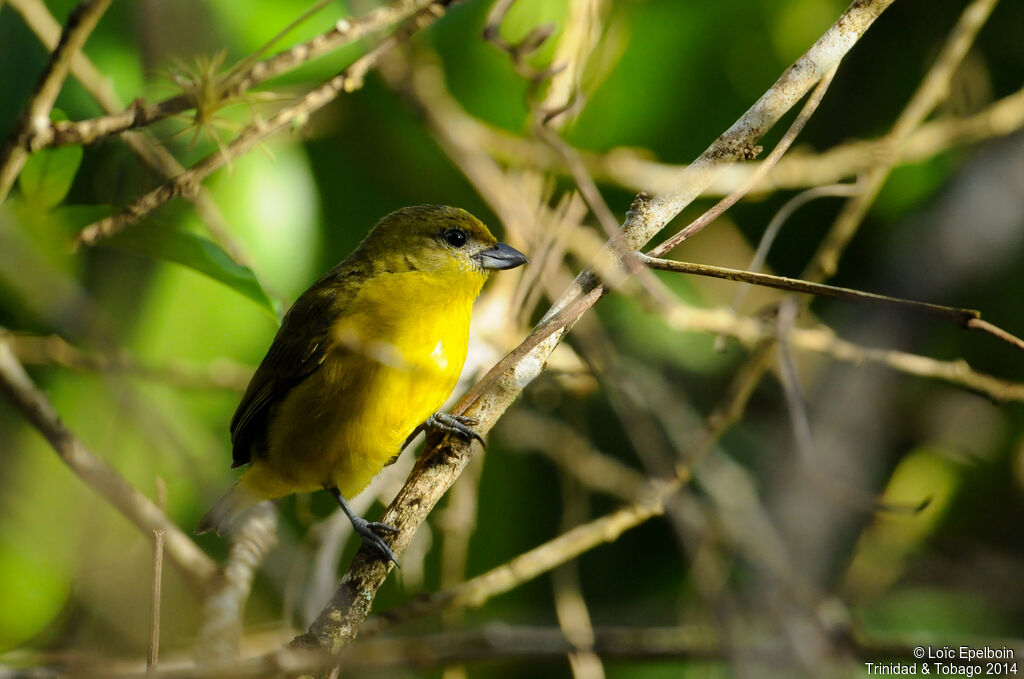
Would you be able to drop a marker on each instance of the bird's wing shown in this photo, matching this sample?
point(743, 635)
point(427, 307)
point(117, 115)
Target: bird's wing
point(300, 347)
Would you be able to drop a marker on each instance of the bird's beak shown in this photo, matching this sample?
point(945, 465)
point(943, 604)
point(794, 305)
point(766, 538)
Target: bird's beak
point(501, 256)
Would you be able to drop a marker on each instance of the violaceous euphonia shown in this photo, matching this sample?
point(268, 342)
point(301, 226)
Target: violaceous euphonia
point(361, 363)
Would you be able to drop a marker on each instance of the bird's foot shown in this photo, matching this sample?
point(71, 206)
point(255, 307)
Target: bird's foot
point(460, 425)
point(370, 532)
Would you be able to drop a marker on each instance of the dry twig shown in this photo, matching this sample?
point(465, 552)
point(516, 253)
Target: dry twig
point(197, 568)
point(137, 115)
point(186, 183)
point(37, 113)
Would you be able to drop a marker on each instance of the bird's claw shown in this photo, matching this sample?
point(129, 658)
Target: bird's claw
point(370, 531)
point(460, 425)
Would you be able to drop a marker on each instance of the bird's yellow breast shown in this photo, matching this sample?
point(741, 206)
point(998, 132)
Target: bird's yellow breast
point(397, 353)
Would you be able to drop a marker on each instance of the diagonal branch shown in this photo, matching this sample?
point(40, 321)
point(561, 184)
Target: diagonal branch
point(154, 154)
point(441, 464)
point(137, 115)
point(37, 113)
point(197, 568)
point(933, 89)
point(186, 183)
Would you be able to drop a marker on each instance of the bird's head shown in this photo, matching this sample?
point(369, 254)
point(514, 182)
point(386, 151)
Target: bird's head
point(437, 239)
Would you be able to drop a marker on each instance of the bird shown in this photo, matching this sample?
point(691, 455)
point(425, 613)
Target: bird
point(363, 361)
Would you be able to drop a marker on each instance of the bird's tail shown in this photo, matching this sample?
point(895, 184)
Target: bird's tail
point(225, 512)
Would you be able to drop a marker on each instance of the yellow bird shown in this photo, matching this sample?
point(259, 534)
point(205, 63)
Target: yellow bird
point(361, 363)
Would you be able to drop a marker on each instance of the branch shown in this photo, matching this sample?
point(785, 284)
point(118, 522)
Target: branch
point(143, 144)
point(221, 373)
point(574, 453)
point(810, 106)
point(528, 565)
point(80, 23)
point(753, 333)
point(496, 642)
point(223, 608)
point(439, 466)
point(965, 318)
point(138, 114)
point(960, 316)
point(186, 183)
point(933, 89)
point(197, 568)
point(635, 169)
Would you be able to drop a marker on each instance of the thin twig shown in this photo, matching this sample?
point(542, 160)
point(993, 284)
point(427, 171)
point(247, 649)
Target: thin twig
point(186, 183)
point(344, 32)
point(570, 605)
point(197, 568)
point(933, 89)
point(634, 169)
point(960, 316)
point(780, 218)
point(995, 331)
point(221, 373)
point(144, 145)
point(153, 653)
point(574, 453)
point(478, 590)
point(224, 606)
point(776, 154)
point(439, 466)
point(754, 332)
point(36, 115)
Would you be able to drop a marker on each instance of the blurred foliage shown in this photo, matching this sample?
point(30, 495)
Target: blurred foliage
point(670, 76)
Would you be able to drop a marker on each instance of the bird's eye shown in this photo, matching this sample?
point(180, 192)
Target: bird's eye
point(454, 237)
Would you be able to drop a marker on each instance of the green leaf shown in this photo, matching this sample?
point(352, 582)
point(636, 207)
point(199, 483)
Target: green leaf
point(48, 174)
point(196, 253)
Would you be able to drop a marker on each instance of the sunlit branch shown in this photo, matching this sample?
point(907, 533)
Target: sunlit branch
point(36, 115)
point(344, 32)
point(186, 183)
point(197, 568)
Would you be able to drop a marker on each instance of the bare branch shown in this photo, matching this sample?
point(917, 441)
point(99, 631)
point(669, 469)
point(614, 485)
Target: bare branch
point(221, 373)
point(186, 183)
point(754, 333)
point(960, 316)
point(153, 653)
point(193, 563)
point(528, 565)
point(223, 608)
point(37, 113)
point(574, 454)
point(776, 154)
point(933, 89)
point(635, 169)
point(344, 32)
point(496, 642)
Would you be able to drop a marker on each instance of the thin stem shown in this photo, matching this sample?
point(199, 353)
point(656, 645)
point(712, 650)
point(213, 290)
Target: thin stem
point(960, 316)
point(37, 113)
point(137, 115)
point(186, 183)
point(787, 140)
point(780, 218)
point(153, 653)
point(193, 563)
